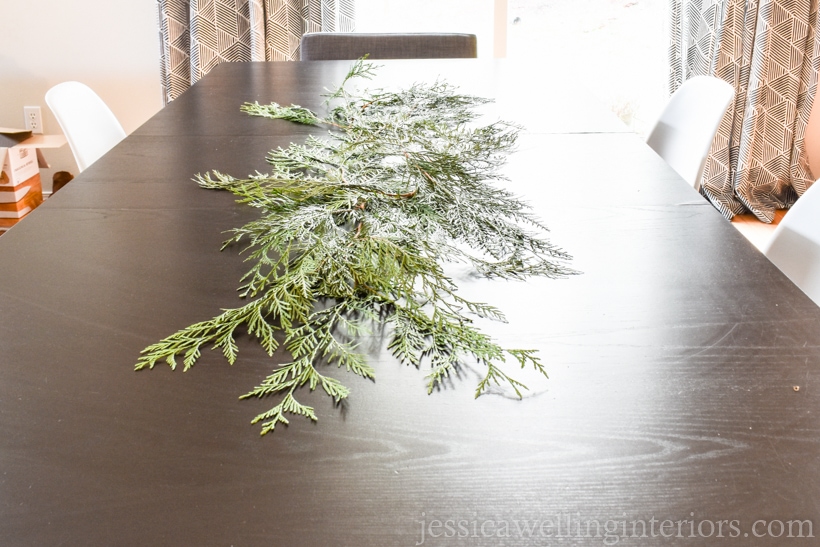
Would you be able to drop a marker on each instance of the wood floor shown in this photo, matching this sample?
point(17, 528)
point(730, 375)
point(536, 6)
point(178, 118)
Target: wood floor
point(755, 231)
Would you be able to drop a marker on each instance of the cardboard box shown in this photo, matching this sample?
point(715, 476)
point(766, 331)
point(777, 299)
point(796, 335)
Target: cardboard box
point(22, 207)
point(18, 165)
point(12, 194)
point(6, 223)
point(11, 209)
point(20, 155)
point(11, 137)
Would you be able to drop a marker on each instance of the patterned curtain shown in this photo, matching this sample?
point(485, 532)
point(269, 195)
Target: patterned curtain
point(197, 35)
point(769, 51)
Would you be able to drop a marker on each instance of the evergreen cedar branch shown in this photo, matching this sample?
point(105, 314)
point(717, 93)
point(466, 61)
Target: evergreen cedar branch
point(353, 231)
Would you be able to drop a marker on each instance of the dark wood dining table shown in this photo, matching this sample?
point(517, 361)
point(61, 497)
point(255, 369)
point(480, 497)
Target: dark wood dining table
point(681, 405)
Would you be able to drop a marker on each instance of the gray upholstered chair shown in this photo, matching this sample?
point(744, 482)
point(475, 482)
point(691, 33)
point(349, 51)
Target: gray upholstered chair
point(326, 46)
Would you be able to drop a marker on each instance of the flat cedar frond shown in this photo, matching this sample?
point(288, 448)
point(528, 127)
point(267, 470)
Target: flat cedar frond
point(353, 231)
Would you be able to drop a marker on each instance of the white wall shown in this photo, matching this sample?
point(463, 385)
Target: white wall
point(110, 45)
point(468, 16)
point(113, 46)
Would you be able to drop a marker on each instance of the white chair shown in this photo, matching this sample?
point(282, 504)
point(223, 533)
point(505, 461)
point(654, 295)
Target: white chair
point(794, 246)
point(684, 132)
point(89, 125)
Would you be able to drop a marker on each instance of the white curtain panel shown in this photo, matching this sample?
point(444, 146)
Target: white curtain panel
point(197, 35)
point(769, 51)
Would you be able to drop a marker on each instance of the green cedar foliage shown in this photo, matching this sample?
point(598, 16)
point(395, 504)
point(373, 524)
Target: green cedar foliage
point(353, 231)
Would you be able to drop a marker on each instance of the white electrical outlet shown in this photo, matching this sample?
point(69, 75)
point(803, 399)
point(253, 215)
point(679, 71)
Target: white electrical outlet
point(34, 118)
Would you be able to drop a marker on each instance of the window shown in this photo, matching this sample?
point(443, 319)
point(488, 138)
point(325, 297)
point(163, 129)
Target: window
point(614, 48)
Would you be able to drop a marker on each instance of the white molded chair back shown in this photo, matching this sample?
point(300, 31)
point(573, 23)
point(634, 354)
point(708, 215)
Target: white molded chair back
point(89, 125)
point(795, 244)
point(687, 126)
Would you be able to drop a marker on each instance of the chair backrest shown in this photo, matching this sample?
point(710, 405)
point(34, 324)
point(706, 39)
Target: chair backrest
point(794, 246)
point(687, 126)
point(327, 46)
point(89, 125)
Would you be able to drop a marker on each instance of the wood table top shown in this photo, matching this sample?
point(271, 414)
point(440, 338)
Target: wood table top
point(680, 409)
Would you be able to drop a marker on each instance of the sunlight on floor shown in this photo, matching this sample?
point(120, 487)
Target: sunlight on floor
point(758, 233)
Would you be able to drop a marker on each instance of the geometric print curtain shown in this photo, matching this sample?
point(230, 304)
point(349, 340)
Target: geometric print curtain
point(197, 35)
point(769, 51)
